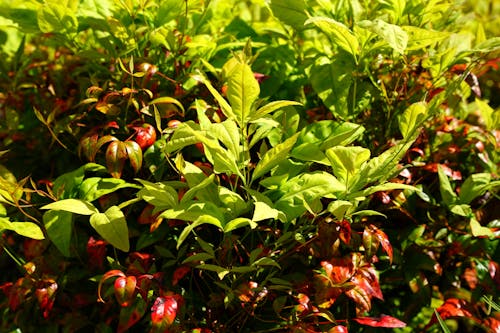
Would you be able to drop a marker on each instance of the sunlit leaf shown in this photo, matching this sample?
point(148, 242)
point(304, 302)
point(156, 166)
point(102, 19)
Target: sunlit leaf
point(242, 92)
point(393, 34)
point(112, 226)
point(337, 32)
point(26, 229)
point(76, 206)
point(382, 321)
point(274, 156)
point(134, 154)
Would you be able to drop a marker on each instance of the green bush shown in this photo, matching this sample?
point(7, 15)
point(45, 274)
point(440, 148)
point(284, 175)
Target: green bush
point(249, 166)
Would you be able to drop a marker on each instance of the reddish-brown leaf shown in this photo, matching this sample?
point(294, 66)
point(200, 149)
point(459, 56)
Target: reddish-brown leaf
point(367, 280)
point(361, 297)
point(383, 239)
point(116, 155)
point(179, 273)
point(338, 270)
point(454, 307)
point(382, 321)
point(345, 231)
point(96, 251)
point(134, 154)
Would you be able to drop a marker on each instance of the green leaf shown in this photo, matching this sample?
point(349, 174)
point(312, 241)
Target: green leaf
point(224, 105)
point(274, 156)
point(347, 161)
point(299, 191)
point(393, 34)
point(93, 188)
point(239, 222)
point(232, 201)
point(474, 186)
point(242, 91)
point(67, 185)
point(227, 132)
point(331, 79)
point(419, 38)
point(59, 226)
point(221, 271)
point(167, 100)
point(56, 17)
point(291, 12)
point(198, 257)
point(264, 211)
point(478, 230)
point(203, 219)
point(338, 33)
point(448, 196)
point(198, 189)
point(26, 229)
point(489, 45)
point(266, 261)
point(112, 226)
point(317, 137)
point(195, 177)
point(339, 208)
point(412, 118)
point(159, 195)
point(271, 107)
point(76, 206)
point(382, 187)
point(183, 136)
point(491, 117)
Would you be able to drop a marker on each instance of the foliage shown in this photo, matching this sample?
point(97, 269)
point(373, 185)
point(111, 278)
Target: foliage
point(250, 166)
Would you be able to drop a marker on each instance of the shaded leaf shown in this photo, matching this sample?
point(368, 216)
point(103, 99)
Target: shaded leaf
point(59, 226)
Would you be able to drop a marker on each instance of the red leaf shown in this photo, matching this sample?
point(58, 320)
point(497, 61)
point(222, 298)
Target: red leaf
point(108, 275)
point(145, 135)
point(46, 297)
point(454, 307)
point(164, 311)
point(338, 329)
point(383, 321)
point(367, 280)
point(492, 323)
point(96, 251)
point(125, 290)
point(339, 270)
point(361, 297)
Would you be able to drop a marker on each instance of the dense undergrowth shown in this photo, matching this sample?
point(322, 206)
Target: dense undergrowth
point(249, 166)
